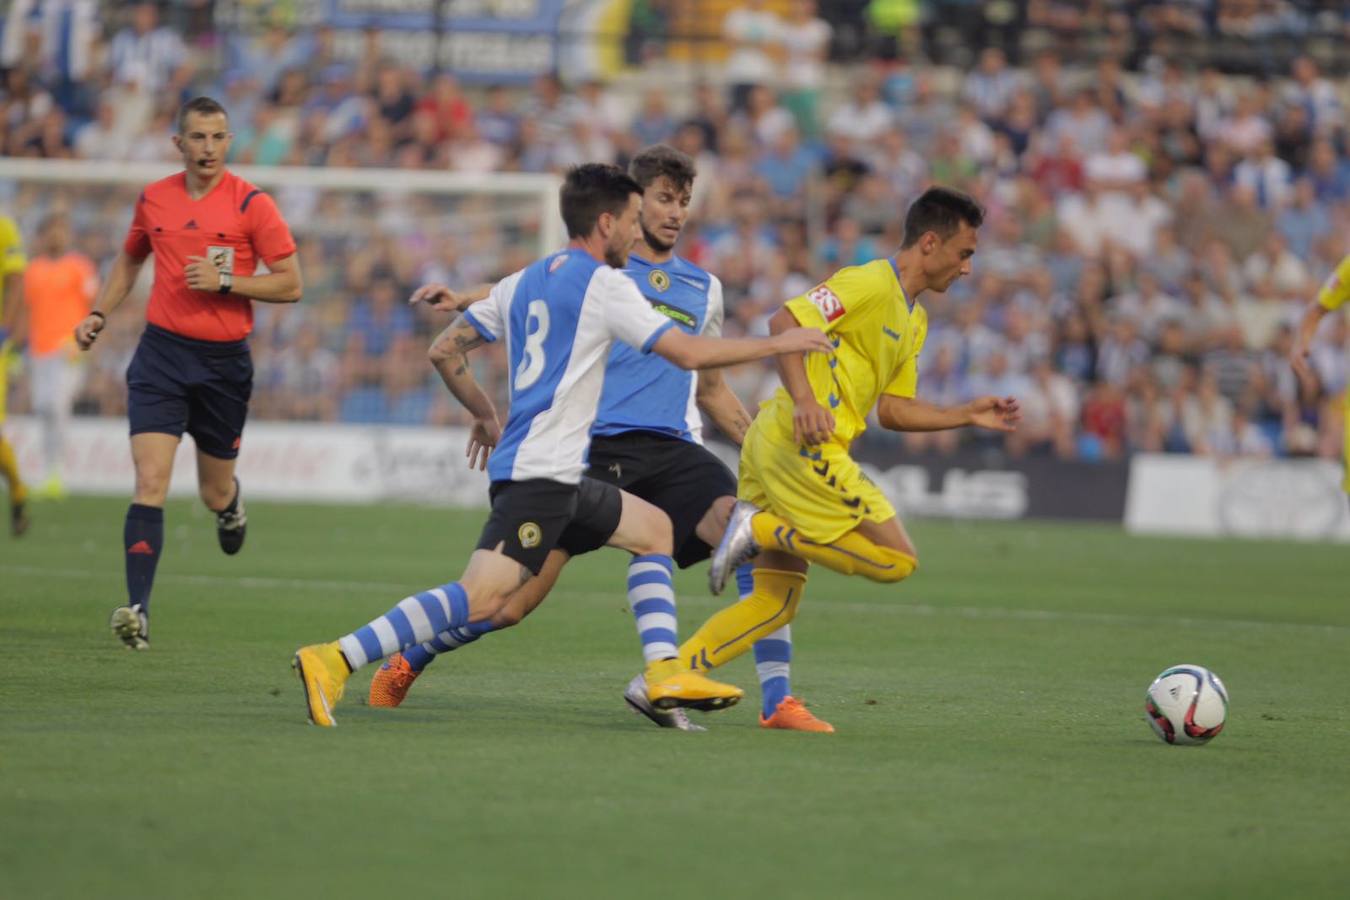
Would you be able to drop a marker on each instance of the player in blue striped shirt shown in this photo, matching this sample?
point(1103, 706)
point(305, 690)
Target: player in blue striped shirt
point(647, 439)
point(559, 318)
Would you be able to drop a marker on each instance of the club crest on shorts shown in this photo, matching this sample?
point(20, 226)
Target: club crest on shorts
point(221, 257)
point(530, 535)
point(658, 279)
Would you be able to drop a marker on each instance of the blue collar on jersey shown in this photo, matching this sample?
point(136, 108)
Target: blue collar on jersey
point(896, 269)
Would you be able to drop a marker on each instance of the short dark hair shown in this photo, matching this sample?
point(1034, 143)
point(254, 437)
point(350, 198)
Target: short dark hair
point(203, 105)
point(663, 159)
point(941, 210)
point(591, 190)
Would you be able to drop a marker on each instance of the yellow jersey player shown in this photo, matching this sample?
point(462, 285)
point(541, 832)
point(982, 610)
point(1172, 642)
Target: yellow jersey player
point(802, 497)
point(1332, 296)
point(12, 264)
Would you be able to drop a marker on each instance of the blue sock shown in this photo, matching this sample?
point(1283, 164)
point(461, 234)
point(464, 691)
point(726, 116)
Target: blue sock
point(420, 657)
point(773, 652)
point(745, 580)
point(413, 621)
point(651, 596)
point(142, 539)
point(773, 657)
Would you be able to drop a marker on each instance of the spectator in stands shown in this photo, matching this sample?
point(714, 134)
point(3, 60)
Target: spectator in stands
point(144, 49)
point(805, 39)
point(754, 33)
point(990, 87)
point(1266, 174)
point(865, 116)
point(1050, 411)
point(1304, 219)
point(1185, 176)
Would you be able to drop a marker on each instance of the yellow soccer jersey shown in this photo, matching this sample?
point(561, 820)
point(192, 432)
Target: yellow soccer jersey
point(1337, 288)
point(12, 260)
point(877, 337)
point(1333, 296)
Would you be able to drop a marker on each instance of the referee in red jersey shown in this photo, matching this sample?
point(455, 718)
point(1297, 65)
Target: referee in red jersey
point(192, 371)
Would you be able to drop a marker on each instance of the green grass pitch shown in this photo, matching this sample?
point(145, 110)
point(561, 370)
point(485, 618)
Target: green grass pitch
point(991, 740)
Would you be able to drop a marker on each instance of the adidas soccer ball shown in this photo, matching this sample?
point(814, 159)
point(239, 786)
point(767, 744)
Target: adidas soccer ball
point(1186, 705)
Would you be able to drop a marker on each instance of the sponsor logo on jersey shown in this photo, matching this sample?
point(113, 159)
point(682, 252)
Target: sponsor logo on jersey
point(678, 315)
point(530, 535)
point(890, 334)
point(557, 263)
point(693, 283)
point(659, 280)
point(827, 301)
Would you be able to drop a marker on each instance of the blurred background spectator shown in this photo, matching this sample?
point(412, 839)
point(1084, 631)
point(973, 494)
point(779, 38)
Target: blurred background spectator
point(1166, 184)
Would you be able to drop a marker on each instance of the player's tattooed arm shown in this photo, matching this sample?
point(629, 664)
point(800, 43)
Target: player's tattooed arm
point(449, 356)
point(717, 399)
point(453, 344)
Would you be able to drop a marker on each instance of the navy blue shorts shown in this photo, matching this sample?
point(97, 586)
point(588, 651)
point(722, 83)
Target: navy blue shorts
point(177, 384)
point(679, 477)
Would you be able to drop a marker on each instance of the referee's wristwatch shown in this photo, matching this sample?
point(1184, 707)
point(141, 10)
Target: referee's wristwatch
point(226, 282)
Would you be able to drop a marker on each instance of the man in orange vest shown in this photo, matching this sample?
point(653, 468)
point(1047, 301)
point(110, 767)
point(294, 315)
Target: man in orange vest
point(58, 287)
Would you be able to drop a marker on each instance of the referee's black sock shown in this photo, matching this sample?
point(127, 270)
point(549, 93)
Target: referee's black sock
point(142, 538)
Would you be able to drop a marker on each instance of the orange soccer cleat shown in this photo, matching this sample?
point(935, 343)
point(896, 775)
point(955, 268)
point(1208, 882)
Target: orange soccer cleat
point(793, 715)
point(392, 681)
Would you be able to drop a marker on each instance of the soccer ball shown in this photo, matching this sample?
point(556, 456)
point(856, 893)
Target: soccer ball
point(1186, 705)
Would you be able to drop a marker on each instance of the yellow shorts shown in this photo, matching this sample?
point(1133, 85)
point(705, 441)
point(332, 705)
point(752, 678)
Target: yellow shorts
point(820, 490)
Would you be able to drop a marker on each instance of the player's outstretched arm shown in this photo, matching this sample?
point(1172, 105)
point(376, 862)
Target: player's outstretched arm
point(1300, 353)
point(282, 284)
point(120, 280)
point(908, 414)
point(690, 351)
point(716, 398)
point(446, 299)
point(449, 356)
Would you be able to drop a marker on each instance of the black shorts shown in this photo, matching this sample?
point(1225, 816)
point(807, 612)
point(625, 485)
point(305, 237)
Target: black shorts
point(679, 477)
point(530, 518)
point(177, 384)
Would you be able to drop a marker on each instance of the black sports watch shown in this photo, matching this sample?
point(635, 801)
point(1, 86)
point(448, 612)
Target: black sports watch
point(226, 283)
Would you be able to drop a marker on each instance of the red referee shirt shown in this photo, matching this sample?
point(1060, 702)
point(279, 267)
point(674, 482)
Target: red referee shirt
point(235, 223)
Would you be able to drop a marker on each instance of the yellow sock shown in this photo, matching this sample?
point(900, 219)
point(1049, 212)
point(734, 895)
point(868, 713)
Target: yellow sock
point(851, 554)
point(9, 467)
point(732, 631)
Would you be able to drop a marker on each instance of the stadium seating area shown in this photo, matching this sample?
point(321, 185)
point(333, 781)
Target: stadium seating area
point(1153, 230)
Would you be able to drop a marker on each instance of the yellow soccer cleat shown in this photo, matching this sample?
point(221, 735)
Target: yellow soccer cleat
point(792, 715)
point(669, 685)
point(323, 672)
point(392, 680)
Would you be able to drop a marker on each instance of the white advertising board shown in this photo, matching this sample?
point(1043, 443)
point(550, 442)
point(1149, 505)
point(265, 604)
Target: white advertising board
point(280, 461)
point(1190, 495)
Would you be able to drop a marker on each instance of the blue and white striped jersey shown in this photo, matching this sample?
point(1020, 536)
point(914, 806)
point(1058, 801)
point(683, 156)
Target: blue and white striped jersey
point(559, 317)
point(648, 393)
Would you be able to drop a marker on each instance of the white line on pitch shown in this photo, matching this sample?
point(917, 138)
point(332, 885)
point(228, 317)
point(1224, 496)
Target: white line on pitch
point(262, 582)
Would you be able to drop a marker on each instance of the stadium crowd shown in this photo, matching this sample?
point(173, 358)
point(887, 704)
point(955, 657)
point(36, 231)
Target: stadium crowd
point(1151, 234)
